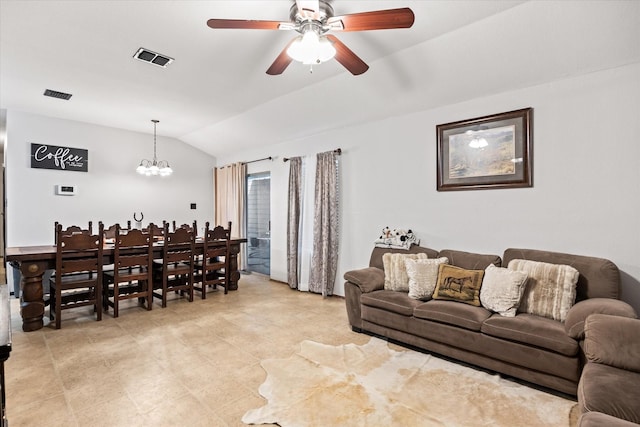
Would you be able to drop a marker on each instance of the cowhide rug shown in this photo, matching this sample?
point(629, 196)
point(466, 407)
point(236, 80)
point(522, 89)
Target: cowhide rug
point(373, 385)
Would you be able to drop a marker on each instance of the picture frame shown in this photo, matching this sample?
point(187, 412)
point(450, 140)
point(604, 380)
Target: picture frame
point(488, 152)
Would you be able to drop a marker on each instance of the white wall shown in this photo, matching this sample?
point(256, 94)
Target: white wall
point(111, 191)
point(584, 200)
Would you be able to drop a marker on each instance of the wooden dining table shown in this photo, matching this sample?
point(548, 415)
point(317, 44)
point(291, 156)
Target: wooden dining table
point(33, 261)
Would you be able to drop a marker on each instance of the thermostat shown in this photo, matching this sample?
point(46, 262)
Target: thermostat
point(66, 190)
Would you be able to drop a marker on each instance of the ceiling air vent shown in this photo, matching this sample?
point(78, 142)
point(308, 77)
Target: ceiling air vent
point(56, 94)
point(147, 55)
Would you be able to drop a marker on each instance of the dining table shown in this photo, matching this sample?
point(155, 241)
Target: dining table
point(33, 261)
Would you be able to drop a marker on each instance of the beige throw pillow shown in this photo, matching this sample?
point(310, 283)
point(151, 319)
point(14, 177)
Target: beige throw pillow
point(395, 272)
point(502, 290)
point(550, 290)
point(423, 276)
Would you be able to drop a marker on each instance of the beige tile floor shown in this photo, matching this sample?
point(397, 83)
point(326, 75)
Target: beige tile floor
point(190, 364)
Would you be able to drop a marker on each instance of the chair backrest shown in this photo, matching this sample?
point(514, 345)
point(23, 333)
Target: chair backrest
point(72, 229)
point(213, 238)
point(110, 232)
point(157, 231)
point(78, 251)
point(178, 246)
point(193, 227)
point(133, 248)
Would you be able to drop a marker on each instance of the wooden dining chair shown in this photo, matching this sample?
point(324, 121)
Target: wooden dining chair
point(110, 232)
point(72, 229)
point(213, 270)
point(158, 232)
point(132, 275)
point(174, 273)
point(77, 280)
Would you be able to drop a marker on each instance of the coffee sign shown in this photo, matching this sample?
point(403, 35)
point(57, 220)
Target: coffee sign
point(59, 158)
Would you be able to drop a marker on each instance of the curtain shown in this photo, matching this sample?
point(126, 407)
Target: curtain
point(231, 182)
point(324, 260)
point(293, 220)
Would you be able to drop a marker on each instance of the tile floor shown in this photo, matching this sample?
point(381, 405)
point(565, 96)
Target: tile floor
point(190, 364)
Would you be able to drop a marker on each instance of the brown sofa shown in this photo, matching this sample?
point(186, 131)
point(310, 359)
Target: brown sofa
point(532, 348)
point(609, 388)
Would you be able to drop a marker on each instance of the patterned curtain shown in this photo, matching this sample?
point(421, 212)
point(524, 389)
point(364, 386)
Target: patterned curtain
point(324, 260)
point(231, 182)
point(293, 220)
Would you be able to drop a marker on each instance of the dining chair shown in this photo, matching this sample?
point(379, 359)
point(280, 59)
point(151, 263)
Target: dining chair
point(174, 273)
point(212, 269)
point(193, 227)
point(158, 232)
point(131, 276)
point(72, 229)
point(77, 280)
point(110, 232)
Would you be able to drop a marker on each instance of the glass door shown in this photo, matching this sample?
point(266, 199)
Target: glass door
point(259, 223)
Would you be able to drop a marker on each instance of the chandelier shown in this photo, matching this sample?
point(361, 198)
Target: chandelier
point(154, 167)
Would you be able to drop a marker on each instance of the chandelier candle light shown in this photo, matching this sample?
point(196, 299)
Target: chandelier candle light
point(154, 167)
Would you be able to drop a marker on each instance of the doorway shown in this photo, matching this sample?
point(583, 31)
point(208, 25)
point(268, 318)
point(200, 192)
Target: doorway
point(259, 223)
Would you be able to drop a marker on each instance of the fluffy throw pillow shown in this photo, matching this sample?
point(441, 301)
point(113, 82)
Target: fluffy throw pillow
point(458, 284)
point(502, 290)
point(423, 276)
point(550, 290)
point(395, 272)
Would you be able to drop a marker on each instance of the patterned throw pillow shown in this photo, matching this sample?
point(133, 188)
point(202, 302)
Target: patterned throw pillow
point(458, 284)
point(550, 290)
point(502, 290)
point(395, 272)
point(423, 276)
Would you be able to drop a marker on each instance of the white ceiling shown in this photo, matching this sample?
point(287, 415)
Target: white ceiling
point(216, 95)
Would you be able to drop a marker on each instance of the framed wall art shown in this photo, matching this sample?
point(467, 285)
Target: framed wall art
point(486, 152)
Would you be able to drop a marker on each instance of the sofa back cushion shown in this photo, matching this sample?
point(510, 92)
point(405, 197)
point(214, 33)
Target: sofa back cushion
point(470, 260)
point(377, 253)
point(599, 278)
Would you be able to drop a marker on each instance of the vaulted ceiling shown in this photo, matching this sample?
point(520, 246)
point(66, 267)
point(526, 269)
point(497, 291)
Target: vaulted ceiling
point(216, 94)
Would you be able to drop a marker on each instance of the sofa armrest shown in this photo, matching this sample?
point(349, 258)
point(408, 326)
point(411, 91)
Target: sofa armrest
point(577, 315)
point(367, 279)
point(613, 341)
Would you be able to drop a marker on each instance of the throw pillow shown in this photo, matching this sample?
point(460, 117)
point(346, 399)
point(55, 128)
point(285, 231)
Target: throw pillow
point(502, 290)
point(395, 272)
point(551, 289)
point(423, 276)
point(458, 284)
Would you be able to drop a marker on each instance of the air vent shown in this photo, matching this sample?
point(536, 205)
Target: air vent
point(56, 94)
point(151, 57)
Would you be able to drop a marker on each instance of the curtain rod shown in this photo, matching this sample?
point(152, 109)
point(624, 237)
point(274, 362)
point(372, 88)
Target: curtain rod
point(259, 160)
point(338, 151)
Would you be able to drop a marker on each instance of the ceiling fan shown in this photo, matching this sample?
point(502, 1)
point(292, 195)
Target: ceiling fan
point(314, 19)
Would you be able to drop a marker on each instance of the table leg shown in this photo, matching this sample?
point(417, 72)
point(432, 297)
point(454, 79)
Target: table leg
point(233, 268)
point(31, 298)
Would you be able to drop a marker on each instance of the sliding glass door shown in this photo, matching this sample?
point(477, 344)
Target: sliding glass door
point(259, 223)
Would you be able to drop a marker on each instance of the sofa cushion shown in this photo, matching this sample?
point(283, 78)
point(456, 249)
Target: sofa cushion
point(377, 253)
point(397, 302)
point(459, 284)
point(502, 290)
point(462, 315)
point(423, 276)
point(470, 260)
point(395, 272)
point(574, 324)
point(550, 290)
point(599, 383)
point(598, 419)
point(367, 279)
point(531, 330)
point(613, 341)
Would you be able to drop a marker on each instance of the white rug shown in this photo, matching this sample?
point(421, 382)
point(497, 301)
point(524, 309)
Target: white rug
point(372, 385)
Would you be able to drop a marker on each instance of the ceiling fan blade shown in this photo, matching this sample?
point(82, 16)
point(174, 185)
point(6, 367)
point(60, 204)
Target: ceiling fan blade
point(246, 24)
point(376, 20)
point(308, 8)
point(347, 58)
point(282, 61)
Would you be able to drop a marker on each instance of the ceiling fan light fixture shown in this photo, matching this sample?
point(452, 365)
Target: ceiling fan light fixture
point(310, 48)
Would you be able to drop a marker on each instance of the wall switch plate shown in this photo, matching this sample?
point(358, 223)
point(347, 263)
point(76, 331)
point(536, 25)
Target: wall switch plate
point(193, 205)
